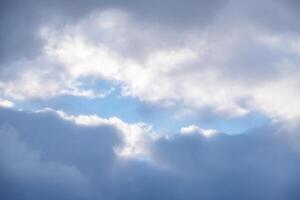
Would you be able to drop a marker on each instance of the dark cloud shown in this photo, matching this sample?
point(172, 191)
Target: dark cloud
point(18, 26)
point(48, 157)
point(45, 157)
point(278, 16)
point(257, 165)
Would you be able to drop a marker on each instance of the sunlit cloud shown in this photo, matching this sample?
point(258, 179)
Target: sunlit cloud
point(153, 99)
point(6, 103)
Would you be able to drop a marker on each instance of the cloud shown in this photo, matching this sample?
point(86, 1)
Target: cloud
point(6, 103)
point(232, 167)
point(192, 129)
point(198, 70)
point(232, 70)
point(135, 136)
point(23, 166)
point(45, 155)
point(20, 20)
point(227, 57)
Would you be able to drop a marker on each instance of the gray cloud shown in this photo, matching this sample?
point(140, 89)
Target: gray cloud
point(256, 165)
point(20, 20)
point(45, 157)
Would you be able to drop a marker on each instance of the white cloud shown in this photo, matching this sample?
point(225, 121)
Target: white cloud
point(195, 129)
point(234, 72)
point(136, 136)
point(6, 103)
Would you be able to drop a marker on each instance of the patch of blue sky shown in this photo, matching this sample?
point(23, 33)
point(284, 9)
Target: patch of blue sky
point(238, 125)
point(132, 110)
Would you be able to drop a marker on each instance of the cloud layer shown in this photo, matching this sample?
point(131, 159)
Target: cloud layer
point(44, 156)
point(232, 62)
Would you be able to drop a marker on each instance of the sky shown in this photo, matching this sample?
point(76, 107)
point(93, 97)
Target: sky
point(136, 99)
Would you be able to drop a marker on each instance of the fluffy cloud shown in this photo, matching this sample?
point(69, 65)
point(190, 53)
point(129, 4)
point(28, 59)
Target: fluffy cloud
point(192, 129)
point(45, 155)
point(6, 103)
point(136, 136)
point(233, 69)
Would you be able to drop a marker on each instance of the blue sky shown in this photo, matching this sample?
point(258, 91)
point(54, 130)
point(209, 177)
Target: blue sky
point(132, 110)
point(136, 99)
